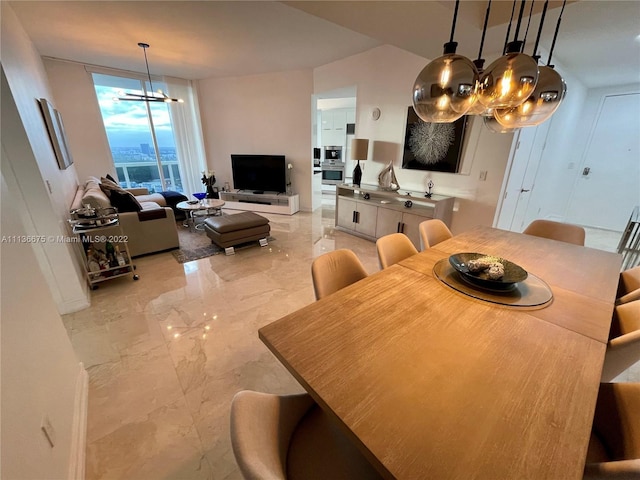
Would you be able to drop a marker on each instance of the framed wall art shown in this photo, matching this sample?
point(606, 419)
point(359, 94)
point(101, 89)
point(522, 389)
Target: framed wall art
point(55, 127)
point(433, 146)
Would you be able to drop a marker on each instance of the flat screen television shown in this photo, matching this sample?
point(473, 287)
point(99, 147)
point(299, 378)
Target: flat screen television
point(259, 173)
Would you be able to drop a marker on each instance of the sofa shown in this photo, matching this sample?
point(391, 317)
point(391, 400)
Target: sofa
point(151, 225)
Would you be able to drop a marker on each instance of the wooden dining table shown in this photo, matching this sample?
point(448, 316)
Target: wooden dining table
point(431, 383)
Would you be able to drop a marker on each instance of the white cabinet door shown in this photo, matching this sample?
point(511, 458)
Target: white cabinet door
point(340, 121)
point(389, 221)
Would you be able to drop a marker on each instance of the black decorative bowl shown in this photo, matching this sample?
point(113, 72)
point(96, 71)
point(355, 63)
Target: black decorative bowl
point(512, 273)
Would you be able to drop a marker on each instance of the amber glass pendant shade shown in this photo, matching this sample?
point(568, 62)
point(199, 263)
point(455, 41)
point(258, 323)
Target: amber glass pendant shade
point(444, 89)
point(493, 126)
point(508, 81)
point(541, 104)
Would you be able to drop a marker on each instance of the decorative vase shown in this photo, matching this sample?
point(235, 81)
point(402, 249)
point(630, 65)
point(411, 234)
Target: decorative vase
point(387, 178)
point(210, 192)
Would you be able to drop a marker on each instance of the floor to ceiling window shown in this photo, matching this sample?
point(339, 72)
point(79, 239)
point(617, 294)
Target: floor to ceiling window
point(140, 134)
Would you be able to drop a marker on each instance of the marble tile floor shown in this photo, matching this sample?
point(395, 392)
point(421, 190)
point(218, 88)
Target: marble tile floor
point(166, 354)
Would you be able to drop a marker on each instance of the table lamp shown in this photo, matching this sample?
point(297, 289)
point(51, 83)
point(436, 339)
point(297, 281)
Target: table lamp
point(359, 151)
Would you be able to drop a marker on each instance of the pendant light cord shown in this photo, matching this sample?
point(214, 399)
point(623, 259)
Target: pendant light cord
point(535, 55)
point(484, 29)
point(455, 18)
point(515, 37)
point(555, 35)
point(526, 32)
point(506, 39)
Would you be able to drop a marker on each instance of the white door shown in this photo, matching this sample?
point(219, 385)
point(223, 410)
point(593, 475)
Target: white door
point(522, 174)
point(609, 185)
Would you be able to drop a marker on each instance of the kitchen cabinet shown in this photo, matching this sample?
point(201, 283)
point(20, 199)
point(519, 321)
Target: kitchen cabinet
point(384, 212)
point(334, 125)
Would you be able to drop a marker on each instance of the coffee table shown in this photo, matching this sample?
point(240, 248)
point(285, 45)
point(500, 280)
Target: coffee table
point(205, 207)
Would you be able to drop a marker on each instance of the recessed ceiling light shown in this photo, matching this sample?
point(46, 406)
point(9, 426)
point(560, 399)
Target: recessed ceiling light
point(638, 38)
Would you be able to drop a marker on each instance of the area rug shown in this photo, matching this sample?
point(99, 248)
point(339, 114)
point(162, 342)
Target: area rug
point(196, 245)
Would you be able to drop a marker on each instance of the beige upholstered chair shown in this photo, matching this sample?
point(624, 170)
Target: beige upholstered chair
point(394, 248)
point(563, 232)
point(290, 437)
point(623, 349)
point(614, 449)
point(335, 270)
point(433, 232)
point(629, 286)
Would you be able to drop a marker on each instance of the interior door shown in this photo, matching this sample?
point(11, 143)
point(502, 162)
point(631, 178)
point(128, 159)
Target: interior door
point(609, 185)
point(515, 214)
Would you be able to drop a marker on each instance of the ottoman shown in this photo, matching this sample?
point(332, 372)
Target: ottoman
point(229, 230)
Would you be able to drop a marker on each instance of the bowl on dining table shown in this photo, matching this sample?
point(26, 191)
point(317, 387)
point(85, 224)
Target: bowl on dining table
point(513, 274)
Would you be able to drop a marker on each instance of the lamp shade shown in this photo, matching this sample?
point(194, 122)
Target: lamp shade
point(508, 81)
point(540, 105)
point(494, 127)
point(359, 149)
point(443, 90)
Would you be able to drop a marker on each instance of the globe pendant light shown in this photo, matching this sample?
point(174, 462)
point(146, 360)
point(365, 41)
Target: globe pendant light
point(494, 127)
point(509, 80)
point(547, 96)
point(478, 108)
point(444, 89)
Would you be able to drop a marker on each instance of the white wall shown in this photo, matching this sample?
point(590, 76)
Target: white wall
point(384, 78)
point(39, 368)
point(75, 96)
point(47, 190)
point(260, 114)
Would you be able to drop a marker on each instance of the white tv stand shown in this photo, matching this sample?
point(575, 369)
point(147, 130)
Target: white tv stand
point(267, 202)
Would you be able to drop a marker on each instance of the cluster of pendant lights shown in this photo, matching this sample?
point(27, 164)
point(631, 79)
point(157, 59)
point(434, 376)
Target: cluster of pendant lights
point(512, 92)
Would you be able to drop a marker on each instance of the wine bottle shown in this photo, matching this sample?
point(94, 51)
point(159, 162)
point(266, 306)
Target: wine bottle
point(122, 261)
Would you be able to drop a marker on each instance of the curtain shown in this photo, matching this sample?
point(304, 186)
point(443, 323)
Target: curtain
point(187, 130)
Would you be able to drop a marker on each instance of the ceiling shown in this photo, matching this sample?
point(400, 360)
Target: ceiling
point(201, 39)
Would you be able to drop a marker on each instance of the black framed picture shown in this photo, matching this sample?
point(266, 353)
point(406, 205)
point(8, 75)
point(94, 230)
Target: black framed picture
point(433, 146)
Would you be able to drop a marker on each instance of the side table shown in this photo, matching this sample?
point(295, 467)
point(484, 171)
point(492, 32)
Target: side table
point(206, 207)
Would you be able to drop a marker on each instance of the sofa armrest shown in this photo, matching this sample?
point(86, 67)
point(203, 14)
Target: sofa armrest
point(138, 191)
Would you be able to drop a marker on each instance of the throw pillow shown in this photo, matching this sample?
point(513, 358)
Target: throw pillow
point(109, 177)
point(107, 186)
point(124, 201)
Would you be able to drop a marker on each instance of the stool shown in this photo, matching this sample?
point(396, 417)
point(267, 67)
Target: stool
point(229, 230)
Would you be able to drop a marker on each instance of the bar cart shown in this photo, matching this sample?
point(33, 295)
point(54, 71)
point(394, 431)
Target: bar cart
point(104, 247)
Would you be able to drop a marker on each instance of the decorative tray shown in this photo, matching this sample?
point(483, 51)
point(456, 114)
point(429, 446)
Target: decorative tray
point(512, 273)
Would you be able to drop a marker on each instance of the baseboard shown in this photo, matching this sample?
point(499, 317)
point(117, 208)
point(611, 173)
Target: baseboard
point(79, 426)
point(75, 305)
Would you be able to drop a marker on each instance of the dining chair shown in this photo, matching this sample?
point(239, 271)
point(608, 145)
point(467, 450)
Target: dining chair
point(629, 285)
point(623, 349)
point(335, 270)
point(394, 248)
point(563, 232)
point(433, 232)
point(614, 446)
point(290, 437)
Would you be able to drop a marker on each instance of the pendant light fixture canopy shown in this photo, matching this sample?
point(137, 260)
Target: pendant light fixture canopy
point(444, 89)
point(149, 96)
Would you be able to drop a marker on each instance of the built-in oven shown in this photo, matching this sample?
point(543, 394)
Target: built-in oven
point(332, 173)
point(333, 154)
